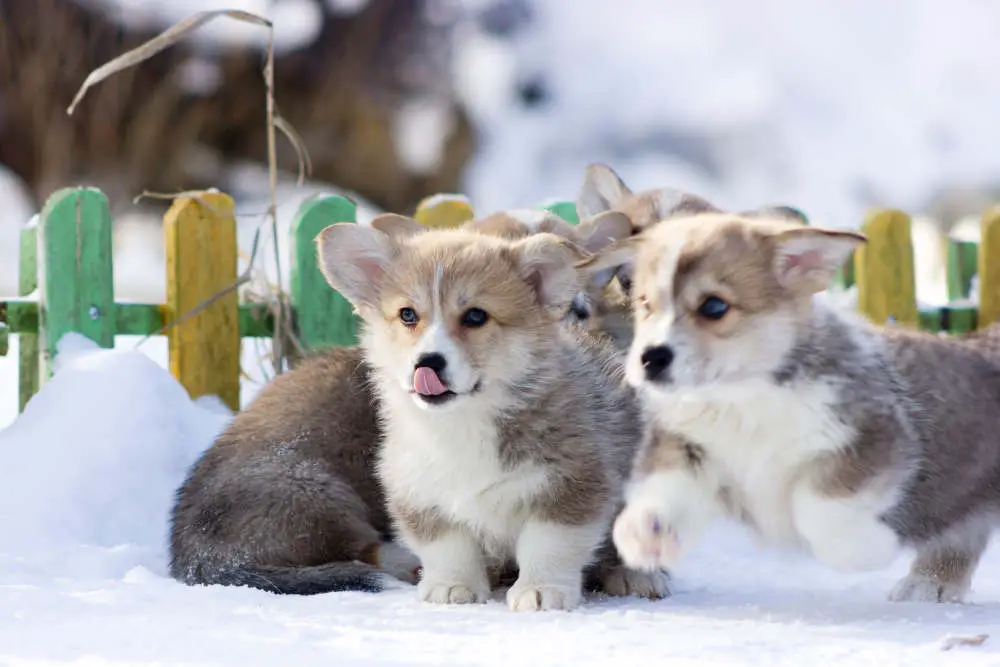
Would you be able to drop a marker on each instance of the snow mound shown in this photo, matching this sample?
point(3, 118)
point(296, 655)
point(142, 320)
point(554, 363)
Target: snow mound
point(95, 458)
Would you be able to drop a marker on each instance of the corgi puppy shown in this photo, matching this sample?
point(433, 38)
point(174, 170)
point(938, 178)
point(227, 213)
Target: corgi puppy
point(507, 436)
point(816, 428)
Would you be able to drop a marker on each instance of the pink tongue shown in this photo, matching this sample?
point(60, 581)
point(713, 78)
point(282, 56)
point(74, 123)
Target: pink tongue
point(427, 382)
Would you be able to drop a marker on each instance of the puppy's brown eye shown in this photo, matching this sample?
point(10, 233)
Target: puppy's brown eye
point(713, 308)
point(474, 318)
point(408, 316)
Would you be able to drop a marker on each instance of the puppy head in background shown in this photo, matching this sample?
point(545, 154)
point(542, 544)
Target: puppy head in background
point(589, 308)
point(601, 193)
point(721, 297)
point(451, 316)
point(604, 190)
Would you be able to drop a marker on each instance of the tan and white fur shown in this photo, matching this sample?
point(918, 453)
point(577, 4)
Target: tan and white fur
point(601, 306)
point(814, 427)
point(507, 435)
point(603, 192)
point(596, 306)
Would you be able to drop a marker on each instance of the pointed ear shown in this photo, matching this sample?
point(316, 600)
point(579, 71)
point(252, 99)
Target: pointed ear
point(548, 265)
point(610, 260)
point(602, 230)
point(602, 190)
point(807, 258)
point(599, 232)
point(353, 259)
point(394, 224)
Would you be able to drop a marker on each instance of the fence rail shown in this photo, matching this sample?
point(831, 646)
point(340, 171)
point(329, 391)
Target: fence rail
point(67, 283)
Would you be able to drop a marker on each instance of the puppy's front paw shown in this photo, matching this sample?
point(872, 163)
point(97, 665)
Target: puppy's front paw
point(523, 596)
point(622, 581)
point(921, 588)
point(644, 539)
point(446, 592)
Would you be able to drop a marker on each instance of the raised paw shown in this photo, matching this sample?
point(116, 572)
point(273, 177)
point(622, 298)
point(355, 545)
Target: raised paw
point(644, 540)
point(622, 581)
point(451, 593)
point(921, 588)
point(524, 596)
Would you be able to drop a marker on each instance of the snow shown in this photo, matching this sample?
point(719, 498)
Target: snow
point(419, 130)
point(441, 198)
point(831, 108)
point(110, 429)
point(88, 474)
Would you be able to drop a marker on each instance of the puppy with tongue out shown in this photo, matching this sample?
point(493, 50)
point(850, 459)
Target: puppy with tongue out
point(507, 435)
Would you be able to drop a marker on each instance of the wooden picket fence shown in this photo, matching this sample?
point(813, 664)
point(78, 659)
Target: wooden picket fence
point(884, 274)
point(66, 283)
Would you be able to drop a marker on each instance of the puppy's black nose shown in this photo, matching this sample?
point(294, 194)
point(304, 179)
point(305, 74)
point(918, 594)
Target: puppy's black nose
point(579, 312)
point(655, 361)
point(434, 361)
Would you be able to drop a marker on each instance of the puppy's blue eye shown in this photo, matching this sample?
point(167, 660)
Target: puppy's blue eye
point(713, 308)
point(408, 316)
point(474, 318)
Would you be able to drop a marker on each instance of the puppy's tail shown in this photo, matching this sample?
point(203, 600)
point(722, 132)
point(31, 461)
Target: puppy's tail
point(312, 580)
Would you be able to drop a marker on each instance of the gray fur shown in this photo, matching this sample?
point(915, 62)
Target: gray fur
point(285, 500)
point(591, 452)
point(928, 406)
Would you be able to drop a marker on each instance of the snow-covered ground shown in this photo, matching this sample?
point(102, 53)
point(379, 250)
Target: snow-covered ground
point(833, 107)
point(87, 475)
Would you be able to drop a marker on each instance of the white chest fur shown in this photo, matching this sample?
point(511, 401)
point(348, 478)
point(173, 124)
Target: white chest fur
point(758, 438)
point(450, 462)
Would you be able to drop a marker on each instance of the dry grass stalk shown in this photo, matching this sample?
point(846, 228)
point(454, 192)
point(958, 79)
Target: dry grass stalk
point(283, 329)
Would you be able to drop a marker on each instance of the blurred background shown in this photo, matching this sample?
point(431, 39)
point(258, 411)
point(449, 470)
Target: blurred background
point(830, 106)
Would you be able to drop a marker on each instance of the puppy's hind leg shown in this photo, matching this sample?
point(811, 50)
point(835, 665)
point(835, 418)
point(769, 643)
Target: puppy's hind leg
point(943, 569)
